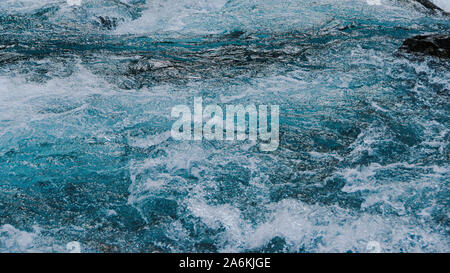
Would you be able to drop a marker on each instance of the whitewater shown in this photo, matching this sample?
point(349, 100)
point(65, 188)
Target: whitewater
point(87, 162)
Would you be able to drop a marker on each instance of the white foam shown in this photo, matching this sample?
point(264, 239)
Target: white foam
point(170, 15)
point(302, 225)
point(73, 247)
point(12, 239)
point(374, 2)
point(180, 156)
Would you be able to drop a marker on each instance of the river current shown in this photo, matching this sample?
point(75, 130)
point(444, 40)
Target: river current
point(86, 155)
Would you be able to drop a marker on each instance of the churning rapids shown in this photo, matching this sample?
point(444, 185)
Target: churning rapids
point(86, 155)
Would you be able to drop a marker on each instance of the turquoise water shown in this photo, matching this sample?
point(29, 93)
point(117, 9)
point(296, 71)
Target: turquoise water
point(85, 118)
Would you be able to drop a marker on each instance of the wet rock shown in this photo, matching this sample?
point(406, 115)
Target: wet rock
point(108, 23)
point(434, 45)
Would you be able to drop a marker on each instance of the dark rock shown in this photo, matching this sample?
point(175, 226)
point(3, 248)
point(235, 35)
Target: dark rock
point(434, 45)
point(431, 6)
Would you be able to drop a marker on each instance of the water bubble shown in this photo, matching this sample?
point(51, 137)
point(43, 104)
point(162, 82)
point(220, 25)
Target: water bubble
point(373, 247)
point(73, 247)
